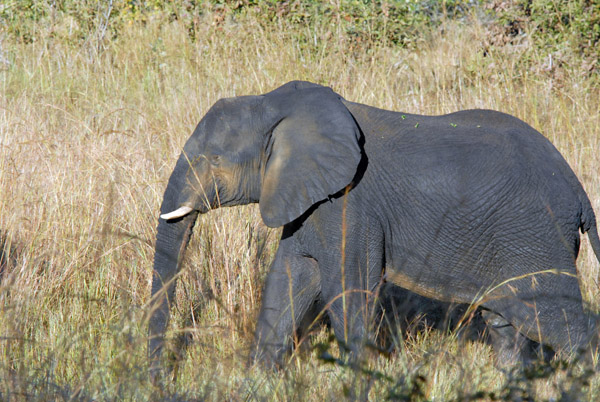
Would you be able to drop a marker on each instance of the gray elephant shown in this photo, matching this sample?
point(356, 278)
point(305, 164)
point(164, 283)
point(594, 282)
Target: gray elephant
point(470, 207)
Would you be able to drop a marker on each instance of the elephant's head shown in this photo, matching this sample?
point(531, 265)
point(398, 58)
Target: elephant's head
point(287, 150)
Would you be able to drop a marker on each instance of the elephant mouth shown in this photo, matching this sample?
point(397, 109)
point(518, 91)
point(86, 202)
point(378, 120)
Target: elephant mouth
point(178, 213)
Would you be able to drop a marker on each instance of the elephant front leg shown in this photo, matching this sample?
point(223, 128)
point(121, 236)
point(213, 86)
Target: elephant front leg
point(349, 311)
point(292, 288)
point(349, 291)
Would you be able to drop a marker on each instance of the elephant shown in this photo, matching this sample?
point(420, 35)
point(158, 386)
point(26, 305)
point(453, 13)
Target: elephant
point(471, 207)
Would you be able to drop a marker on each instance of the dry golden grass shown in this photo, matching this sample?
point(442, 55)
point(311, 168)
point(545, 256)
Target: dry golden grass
point(88, 137)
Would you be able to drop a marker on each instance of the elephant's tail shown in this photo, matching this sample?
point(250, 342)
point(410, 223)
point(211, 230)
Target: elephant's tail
point(588, 224)
point(594, 240)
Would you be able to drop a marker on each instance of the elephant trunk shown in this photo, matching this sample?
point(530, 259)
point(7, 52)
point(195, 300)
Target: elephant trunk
point(172, 237)
point(171, 241)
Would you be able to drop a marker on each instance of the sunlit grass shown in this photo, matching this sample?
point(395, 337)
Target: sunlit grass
point(88, 137)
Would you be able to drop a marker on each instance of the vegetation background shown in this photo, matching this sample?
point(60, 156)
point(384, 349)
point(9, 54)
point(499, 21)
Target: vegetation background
point(96, 101)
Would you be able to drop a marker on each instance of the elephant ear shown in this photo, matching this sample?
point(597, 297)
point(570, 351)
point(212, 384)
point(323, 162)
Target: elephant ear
point(313, 151)
point(294, 86)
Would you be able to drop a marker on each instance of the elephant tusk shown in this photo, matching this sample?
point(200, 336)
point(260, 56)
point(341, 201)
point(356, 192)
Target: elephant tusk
point(178, 213)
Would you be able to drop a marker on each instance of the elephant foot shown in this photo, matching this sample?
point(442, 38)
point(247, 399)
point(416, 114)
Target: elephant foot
point(268, 358)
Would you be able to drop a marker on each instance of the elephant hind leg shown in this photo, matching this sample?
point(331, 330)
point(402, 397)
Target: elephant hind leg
point(549, 310)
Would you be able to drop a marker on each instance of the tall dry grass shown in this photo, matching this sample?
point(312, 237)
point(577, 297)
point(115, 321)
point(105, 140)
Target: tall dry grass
point(88, 136)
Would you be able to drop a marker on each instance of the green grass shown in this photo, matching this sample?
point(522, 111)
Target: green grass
point(90, 128)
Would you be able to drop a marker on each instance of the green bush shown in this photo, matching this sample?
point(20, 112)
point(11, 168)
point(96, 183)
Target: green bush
point(557, 25)
point(554, 25)
point(396, 22)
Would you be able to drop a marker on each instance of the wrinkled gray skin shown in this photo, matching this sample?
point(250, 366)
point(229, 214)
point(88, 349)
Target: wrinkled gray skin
point(474, 206)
